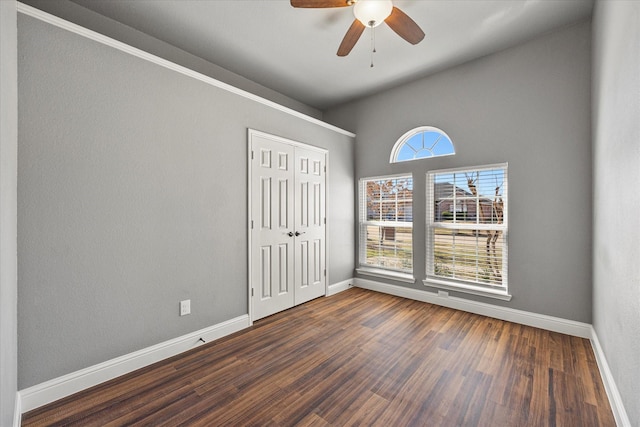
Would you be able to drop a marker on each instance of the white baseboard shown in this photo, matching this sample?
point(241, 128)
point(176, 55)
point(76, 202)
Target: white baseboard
point(615, 400)
point(542, 321)
point(57, 388)
point(17, 411)
point(339, 287)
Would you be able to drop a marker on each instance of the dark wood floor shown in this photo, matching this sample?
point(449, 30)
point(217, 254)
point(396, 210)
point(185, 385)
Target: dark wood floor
point(357, 358)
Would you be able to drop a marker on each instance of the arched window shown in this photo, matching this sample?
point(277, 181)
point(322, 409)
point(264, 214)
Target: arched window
point(421, 143)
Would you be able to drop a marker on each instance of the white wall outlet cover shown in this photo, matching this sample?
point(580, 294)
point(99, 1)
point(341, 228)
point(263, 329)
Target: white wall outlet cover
point(185, 307)
point(443, 294)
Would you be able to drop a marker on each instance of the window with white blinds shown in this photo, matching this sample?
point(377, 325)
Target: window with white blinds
point(467, 229)
point(386, 223)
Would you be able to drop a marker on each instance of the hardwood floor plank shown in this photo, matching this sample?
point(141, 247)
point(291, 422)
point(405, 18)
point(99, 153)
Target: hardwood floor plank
point(357, 358)
point(366, 410)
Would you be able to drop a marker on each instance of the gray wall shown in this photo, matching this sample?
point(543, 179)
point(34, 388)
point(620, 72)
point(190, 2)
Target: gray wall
point(8, 178)
point(77, 14)
point(132, 185)
point(616, 146)
point(528, 106)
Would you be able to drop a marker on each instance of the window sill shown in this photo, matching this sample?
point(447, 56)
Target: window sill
point(469, 289)
point(386, 274)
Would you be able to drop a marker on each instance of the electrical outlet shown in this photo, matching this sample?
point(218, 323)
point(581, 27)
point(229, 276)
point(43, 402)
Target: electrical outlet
point(443, 294)
point(185, 307)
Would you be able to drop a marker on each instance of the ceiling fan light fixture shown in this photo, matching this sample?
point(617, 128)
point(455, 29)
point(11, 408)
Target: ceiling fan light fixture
point(372, 12)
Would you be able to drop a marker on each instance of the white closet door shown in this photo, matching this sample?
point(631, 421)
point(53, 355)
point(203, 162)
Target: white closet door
point(272, 249)
point(309, 224)
point(287, 233)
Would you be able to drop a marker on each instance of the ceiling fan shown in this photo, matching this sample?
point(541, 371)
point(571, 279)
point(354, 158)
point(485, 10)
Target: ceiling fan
point(369, 13)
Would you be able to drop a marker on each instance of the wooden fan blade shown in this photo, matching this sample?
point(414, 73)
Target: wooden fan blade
point(319, 3)
point(404, 26)
point(351, 38)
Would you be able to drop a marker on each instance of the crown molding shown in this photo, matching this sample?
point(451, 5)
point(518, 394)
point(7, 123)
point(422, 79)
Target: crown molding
point(108, 41)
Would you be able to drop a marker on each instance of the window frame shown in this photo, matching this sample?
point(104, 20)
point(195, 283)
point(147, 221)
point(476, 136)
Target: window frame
point(402, 141)
point(461, 285)
point(404, 275)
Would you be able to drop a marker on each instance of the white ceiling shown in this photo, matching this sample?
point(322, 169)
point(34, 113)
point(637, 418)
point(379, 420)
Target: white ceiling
point(293, 51)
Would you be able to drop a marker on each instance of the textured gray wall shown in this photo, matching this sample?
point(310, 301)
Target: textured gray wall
point(528, 106)
point(8, 186)
point(132, 196)
point(8, 219)
point(77, 14)
point(616, 248)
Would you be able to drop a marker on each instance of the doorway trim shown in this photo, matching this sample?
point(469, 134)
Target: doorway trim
point(251, 133)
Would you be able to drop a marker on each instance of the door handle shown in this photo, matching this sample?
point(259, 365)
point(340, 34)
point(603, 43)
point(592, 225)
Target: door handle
point(290, 234)
point(299, 233)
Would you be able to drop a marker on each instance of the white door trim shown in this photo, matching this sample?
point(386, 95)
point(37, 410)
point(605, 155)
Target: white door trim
point(251, 133)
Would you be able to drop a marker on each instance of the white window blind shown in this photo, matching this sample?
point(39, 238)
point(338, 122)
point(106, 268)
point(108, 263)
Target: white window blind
point(386, 223)
point(467, 227)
